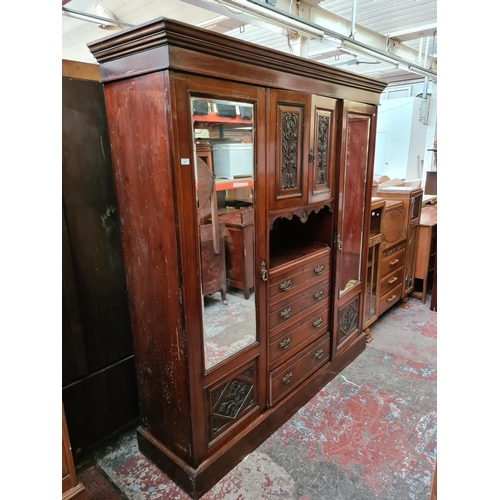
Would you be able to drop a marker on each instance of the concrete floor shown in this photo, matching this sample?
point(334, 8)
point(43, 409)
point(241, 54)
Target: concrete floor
point(368, 434)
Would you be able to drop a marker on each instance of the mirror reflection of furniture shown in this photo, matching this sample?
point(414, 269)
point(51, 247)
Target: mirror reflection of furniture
point(239, 243)
point(204, 152)
point(212, 232)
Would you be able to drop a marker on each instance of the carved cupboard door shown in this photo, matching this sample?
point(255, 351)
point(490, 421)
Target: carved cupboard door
point(288, 155)
point(353, 205)
point(322, 148)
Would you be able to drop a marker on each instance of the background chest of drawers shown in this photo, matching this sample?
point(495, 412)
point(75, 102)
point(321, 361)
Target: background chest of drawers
point(410, 209)
point(392, 255)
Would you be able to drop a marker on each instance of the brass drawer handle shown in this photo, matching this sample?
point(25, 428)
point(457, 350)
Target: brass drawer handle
point(317, 322)
point(318, 295)
point(286, 312)
point(285, 343)
point(319, 354)
point(286, 285)
point(393, 280)
point(390, 299)
point(319, 269)
point(394, 262)
point(287, 378)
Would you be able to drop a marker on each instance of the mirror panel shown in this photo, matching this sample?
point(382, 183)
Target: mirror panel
point(223, 132)
point(351, 232)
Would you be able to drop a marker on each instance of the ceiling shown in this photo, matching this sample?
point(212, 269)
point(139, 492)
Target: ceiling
point(401, 35)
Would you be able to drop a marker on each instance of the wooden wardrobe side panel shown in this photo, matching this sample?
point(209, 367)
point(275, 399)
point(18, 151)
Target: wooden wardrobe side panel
point(140, 134)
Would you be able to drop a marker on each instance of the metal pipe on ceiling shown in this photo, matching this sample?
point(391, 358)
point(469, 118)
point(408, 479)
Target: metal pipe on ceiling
point(365, 49)
point(92, 18)
point(353, 19)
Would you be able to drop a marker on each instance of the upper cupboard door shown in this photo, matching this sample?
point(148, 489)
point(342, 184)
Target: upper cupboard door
point(289, 114)
point(322, 149)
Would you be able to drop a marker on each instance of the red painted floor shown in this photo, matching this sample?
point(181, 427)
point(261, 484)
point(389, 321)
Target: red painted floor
point(371, 433)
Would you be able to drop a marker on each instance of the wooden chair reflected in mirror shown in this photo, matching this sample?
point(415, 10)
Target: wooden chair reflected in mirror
point(212, 233)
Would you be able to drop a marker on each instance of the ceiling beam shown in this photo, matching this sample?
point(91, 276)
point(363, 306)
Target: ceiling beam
point(414, 33)
point(342, 26)
point(323, 24)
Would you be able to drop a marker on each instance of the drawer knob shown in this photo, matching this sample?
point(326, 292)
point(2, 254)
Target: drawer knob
point(393, 280)
point(286, 312)
point(317, 322)
point(394, 262)
point(318, 295)
point(319, 354)
point(319, 269)
point(286, 285)
point(285, 343)
point(391, 298)
point(287, 378)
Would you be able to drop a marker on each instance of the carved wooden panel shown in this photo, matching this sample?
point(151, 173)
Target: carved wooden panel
point(393, 226)
point(322, 149)
point(231, 400)
point(289, 125)
point(348, 320)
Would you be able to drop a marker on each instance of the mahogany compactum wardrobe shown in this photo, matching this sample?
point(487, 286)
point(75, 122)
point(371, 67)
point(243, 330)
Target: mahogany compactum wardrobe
point(290, 146)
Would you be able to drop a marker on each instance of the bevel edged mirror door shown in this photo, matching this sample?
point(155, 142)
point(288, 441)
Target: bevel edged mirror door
point(224, 145)
point(350, 234)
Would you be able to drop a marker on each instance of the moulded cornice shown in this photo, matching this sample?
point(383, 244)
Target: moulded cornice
point(162, 32)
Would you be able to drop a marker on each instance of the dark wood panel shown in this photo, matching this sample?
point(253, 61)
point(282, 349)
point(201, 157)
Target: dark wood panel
point(74, 359)
point(92, 222)
point(100, 404)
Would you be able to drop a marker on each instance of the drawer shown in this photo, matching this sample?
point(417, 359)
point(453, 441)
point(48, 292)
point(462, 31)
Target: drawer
point(286, 283)
point(391, 263)
point(292, 339)
point(390, 298)
point(291, 374)
point(391, 281)
point(285, 312)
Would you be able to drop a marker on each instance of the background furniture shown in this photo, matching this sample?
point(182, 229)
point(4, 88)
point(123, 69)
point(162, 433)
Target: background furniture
point(411, 199)
point(71, 488)
point(313, 137)
point(392, 255)
point(426, 251)
point(99, 387)
point(372, 272)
